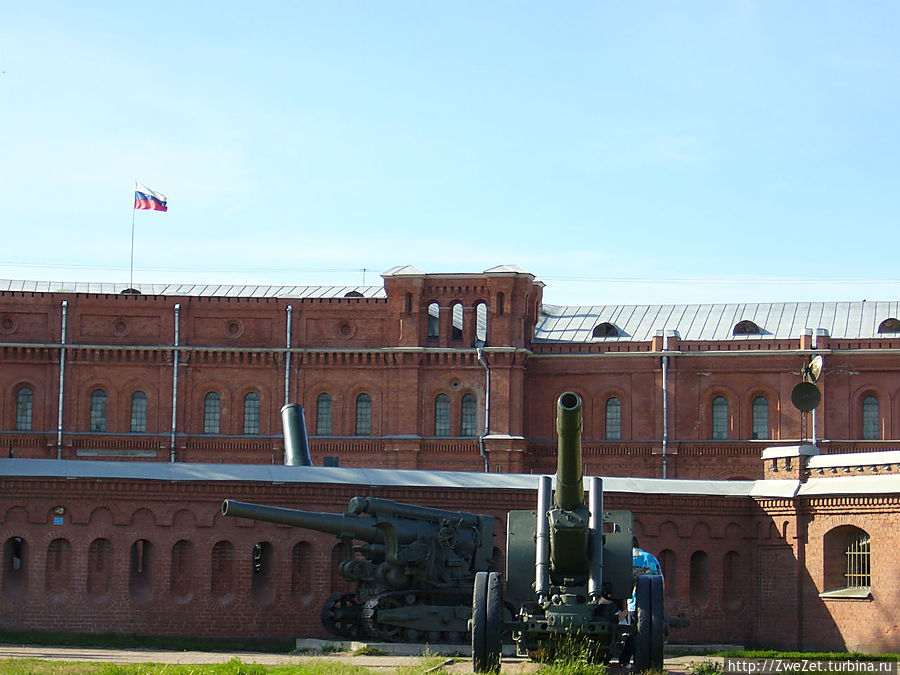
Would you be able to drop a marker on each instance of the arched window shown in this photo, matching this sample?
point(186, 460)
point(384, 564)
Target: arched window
point(139, 412)
point(891, 325)
point(24, 407)
point(870, 419)
point(222, 571)
point(434, 322)
point(605, 329)
point(501, 299)
point(140, 570)
point(745, 327)
point(760, 418)
point(98, 410)
point(212, 411)
point(613, 419)
point(251, 413)
point(363, 415)
point(323, 415)
point(468, 422)
point(456, 319)
point(442, 415)
point(720, 418)
point(99, 573)
point(699, 578)
point(848, 563)
point(481, 323)
point(181, 570)
point(58, 567)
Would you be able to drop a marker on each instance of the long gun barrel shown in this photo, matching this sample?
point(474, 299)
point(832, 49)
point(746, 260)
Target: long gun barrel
point(365, 529)
point(569, 472)
point(385, 507)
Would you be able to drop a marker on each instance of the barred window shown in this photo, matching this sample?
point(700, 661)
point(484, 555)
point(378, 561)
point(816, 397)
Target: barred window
point(212, 412)
point(139, 412)
point(98, 410)
point(468, 426)
point(363, 415)
point(442, 415)
point(323, 415)
point(613, 419)
point(858, 569)
point(251, 413)
point(720, 418)
point(24, 406)
point(870, 418)
point(760, 418)
point(847, 560)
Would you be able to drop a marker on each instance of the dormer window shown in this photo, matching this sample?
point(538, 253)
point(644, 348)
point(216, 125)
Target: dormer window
point(605, 329)
point(745, 327)
point(889, 326)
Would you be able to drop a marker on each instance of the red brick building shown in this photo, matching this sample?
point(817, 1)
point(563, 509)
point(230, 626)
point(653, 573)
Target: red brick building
point(405, 376)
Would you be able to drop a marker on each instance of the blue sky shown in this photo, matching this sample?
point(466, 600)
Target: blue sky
point(621, 152)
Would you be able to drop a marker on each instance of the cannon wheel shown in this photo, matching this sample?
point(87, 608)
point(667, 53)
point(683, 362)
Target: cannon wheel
point(493, 622)
point(657, 623)
point(342, 615)
point(487, 608)
point(649, 624)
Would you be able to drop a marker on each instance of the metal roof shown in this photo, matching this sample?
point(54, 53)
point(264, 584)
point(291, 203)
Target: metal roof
point(196, 290)
point(275, 473)
point(781, 321)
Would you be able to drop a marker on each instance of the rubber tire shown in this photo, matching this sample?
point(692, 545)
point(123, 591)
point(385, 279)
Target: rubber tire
point(479, 623)
point(642, 625)
point(657, 622)
point(493, 623)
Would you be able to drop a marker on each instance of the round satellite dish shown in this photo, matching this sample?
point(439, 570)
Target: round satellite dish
point(813, 369)
point(805, 396)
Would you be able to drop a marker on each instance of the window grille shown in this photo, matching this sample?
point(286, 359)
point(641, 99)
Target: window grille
point(363, 415)
point(251, 413)
point(469, 420)
point(98, 410)
point(442, 415)
point(760, 417)
point(859, 571)
point(720, 418)
point(212, 411)
point(24, 407)
point(139, 412)
point(613, 419)
point(323, 415)
point(870, 418)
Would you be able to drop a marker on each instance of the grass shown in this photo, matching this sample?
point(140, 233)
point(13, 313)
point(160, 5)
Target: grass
point(816, 656)
point(233, 667)
point(115, 641)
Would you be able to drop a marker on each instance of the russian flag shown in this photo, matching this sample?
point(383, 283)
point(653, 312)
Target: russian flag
point(146, 199)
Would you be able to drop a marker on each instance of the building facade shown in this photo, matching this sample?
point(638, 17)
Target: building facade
point(438, 372)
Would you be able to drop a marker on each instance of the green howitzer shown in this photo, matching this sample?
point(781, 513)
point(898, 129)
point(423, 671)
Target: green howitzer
point(582, 561)
point(413, 566)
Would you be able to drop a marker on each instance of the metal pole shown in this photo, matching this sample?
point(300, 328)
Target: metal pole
point(174, 384)
point(287, 357)
point(62, 380)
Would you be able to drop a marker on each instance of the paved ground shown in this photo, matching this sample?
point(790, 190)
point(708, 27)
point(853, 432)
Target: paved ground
point(512, 666)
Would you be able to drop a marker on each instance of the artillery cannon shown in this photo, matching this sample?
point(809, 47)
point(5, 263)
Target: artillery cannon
point(582, 561)
point(414, 566)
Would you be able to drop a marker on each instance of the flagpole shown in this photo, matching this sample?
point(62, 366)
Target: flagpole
point(131, 274)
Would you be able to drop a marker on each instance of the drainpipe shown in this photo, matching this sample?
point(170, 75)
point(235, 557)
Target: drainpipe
point(665, 411)
point(287, 355)
point(174, 384)
point(487, 406)
point(814, 346)
point(62, 380)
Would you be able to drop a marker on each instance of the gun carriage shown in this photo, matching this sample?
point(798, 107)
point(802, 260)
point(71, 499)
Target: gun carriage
point(413, 566)
point(582, 561)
